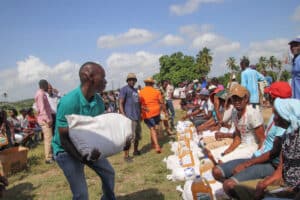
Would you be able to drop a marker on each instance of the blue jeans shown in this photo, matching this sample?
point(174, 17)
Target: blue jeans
point(74, 172)
point(170, 108)
point(257, 171)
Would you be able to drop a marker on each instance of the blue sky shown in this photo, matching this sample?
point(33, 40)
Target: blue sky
point(51, 39)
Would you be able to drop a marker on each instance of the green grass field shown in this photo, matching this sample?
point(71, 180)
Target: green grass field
point(144, 178)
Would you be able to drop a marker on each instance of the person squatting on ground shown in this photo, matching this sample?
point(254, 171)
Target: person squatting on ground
point(44, 118)
point(83, 100)
point(249, 130)
point(22, 135)
point(198, 115)
point(265, 160)
point(286, 176)
point(129, 105)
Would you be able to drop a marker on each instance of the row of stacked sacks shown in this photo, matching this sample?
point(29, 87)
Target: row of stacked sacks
point(189, 162)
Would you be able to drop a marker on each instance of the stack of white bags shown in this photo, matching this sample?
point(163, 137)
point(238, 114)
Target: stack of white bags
point(185, 166)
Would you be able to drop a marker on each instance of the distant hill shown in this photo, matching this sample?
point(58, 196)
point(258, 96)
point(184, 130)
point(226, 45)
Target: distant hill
point(27, 103)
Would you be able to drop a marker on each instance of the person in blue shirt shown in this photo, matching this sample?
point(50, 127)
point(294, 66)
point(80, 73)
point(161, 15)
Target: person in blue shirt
point(130, 106)
point(295, 50)
point(84, 100)
point(203, 82)
point(249, 80)
point(268, 78)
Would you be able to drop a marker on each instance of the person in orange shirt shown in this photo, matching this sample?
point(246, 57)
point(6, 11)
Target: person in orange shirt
point(151, 105)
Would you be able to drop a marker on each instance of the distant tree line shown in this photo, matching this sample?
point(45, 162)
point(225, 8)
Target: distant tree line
point(178, 67)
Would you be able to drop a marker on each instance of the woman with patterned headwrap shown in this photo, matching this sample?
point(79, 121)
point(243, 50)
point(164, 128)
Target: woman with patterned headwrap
point(287, 174)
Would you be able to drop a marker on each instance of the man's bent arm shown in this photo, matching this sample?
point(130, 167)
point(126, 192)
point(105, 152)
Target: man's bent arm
point(67, 144)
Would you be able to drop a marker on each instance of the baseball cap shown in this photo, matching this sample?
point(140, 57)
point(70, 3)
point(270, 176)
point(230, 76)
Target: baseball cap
point(279, 89)
point(295, 40)
point(238, 90)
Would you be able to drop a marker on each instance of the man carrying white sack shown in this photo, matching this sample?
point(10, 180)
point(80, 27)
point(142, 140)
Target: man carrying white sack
point(83, 100)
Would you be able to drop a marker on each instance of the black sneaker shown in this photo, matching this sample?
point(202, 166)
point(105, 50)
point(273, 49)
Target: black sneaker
point(137, 153)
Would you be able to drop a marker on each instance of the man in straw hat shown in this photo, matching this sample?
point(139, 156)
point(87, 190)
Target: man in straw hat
point(151, 104)
point(130, 107)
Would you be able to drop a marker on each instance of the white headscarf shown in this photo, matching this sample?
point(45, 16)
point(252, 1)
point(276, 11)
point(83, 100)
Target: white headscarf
point(289, 109)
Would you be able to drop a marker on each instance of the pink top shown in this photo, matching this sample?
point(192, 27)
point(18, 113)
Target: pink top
point(43, 107)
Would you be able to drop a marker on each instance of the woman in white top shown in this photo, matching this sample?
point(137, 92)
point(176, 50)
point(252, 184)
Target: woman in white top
point(249, 130)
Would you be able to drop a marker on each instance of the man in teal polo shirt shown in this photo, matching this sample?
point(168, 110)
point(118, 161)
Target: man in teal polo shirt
point(84, 100)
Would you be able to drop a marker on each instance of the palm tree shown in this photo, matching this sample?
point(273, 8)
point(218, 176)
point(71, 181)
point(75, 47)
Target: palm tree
point(204, 61)
point(231, 64)
point(4, 95)
point(272, 62)
point(262, 63)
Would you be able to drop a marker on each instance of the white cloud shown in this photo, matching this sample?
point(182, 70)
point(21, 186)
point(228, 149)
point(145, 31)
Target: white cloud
point(209, 40)
point(193, 30)
point(32, 69)
point(21, 81)
point(190, 6)
point(133, 36)
point(230, 47)
point(276, 47)
point(220, 47)
point(142, 63)
point(217, 43)
point(172, 40)
point(296, 15)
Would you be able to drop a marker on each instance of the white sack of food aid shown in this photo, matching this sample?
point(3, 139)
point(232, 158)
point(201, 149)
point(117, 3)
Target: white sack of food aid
point(107, 133)
point(187, 190)
point(174, 147)
point(172, 162)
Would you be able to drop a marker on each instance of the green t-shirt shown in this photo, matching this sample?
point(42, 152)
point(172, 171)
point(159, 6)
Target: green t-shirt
point(74, 103)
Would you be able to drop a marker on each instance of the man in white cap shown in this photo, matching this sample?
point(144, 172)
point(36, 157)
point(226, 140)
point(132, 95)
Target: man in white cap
point(130, 107)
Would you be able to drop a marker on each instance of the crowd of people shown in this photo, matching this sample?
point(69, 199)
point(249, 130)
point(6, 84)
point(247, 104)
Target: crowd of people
point(244, 148)
point(258, 161)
